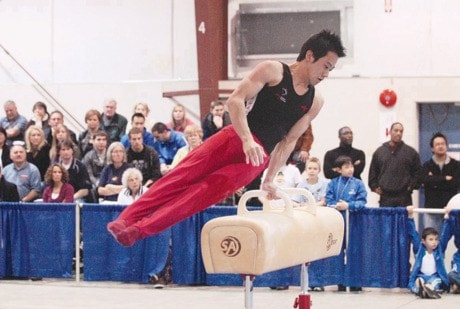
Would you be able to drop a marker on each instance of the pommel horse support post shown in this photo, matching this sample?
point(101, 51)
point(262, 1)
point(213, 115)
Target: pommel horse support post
point(255, 242)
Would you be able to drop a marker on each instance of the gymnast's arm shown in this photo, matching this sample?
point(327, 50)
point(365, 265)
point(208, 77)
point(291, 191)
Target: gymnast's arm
point(266, 73)
point(285, 147)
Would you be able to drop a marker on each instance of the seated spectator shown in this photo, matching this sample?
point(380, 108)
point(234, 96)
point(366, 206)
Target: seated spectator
point(144, 109)
point(215, 120)
point(132, 186)
point(93, 124)
point(4, 149)
point(58, 189)
point(167, 143)
point(96, 159)
point(179, 119)
point(60, 134)
point(110, 182)
point(194, 136)
point(112, 122)
point(23, 174)
point(8, 190)
point(78, 174)
point(138, 121)
point(143, 157)
point(57, 118)
point(13, 123)
point(41, 116)
point(428, 278)
point(38, 150)
point(313, 183)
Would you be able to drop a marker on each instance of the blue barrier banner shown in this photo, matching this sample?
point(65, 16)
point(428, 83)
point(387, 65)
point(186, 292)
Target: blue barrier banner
point(37, 240)
point(105, 259)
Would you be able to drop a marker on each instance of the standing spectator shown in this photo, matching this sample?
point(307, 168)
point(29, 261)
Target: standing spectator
point(345, 149)
point(194, 136)
point(96, 159)
point(112, 122)
point(215, 120)
point(56, 119)
point(78, 174)
point(143, 157)
point(302, 148)
point(395, 170)
point(23, 174)
point(313, 183)
point(8, 190)
point(429, 276)
point(110, 182)
point(40, 117)
point(179, 119)
point(441, 179)
point(132, 186)
point(4, 149)
point(38, 150)
point(13, 123)
point(93, 124)
point(138, 121)
point(167, 143)
point(58, 190)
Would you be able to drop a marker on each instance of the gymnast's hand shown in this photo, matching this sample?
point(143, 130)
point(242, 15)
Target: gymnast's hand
point(270, 188)
point(254, 153)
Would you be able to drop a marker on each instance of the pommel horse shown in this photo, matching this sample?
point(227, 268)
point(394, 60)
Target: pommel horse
point(251, 243)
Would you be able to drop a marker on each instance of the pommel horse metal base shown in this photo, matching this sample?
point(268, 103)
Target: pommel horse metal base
point(255, 242)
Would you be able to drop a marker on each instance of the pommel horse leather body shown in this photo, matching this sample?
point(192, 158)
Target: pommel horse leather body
point(256, 242)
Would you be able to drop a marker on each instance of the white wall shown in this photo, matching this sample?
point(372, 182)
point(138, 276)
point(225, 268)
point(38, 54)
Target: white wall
point(133, 50)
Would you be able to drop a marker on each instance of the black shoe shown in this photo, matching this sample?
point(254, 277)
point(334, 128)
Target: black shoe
point(356, 289)
point(430, 291)
point(280, 288)
point(158, 282)
point(317, 289)
point(341, 288)
point(420, 283)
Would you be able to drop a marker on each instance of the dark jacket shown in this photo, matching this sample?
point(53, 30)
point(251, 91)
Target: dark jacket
point(438, 190)
point(8, 191)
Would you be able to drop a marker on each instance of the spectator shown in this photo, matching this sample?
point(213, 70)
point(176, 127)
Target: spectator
point(38, 150)
point(143, 157)
point(23, 174)
point(112, 122)
point(41, 117)
point(346, 192)
point(110, 181)
point(429, 276)
point(4, 149)
point(167, 143)
point(452, 229)
point(61, 133)
point(179, 119)
point(56, 120)
point(194, 136)
point(13, 123)
point(345, 149)
point(215, 120)
point(395, 170)
point(78, 174)
point(8, 190)
point(302, 148)
point(313, 183)
point(144, 109)
point(58, 190)
point(96, 159)
point(441, 179)
point(132, 186)
point(138, 121)
point(93, 124)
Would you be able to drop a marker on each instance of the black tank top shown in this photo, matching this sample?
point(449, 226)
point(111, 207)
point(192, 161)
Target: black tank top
point(273, 112)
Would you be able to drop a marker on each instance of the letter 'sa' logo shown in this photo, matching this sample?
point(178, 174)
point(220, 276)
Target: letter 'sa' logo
point(230, 246)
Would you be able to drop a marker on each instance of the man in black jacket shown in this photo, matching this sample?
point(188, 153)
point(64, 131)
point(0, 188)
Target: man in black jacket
point(8, 190)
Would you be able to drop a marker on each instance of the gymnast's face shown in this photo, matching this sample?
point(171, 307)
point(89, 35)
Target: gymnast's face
point(319, 69)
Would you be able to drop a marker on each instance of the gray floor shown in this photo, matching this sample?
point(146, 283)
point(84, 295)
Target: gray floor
point(52, 294)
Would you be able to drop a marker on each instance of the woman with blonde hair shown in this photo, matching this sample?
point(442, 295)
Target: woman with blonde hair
point(59, 190)
point(132, 186)
point(179, 119)
point(194, 136)
point(60, 134)
point(38, 150)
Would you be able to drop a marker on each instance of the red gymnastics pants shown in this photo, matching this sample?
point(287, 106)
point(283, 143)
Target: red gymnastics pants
point(204, 177)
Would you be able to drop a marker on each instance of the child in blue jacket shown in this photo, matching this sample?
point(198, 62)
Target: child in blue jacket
point(429, 276)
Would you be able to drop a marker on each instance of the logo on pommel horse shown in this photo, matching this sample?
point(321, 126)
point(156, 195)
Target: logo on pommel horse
point(230, 246)
point(330, 242)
